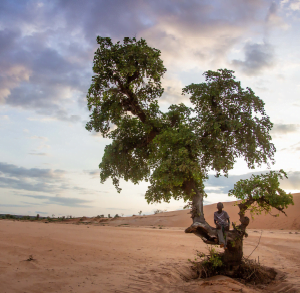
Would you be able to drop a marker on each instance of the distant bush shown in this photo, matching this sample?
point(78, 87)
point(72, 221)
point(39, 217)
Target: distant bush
point(37, 217)
point(159, 211)
point(8, 216)
point(25, 218)
point(116, 216)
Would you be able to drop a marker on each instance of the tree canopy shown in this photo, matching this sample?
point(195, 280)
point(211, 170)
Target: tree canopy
point(262, 193)
point(172, 150)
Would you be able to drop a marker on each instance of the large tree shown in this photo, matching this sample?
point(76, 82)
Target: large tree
point(174, 150)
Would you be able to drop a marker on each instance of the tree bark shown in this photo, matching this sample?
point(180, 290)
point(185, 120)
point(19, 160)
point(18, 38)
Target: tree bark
point(234, 253)
point(189, 187)
point(197, 203)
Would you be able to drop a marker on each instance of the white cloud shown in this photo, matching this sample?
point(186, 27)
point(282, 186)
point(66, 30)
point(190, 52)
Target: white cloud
point(39, 137)
point(295, 6)
point(4, 117)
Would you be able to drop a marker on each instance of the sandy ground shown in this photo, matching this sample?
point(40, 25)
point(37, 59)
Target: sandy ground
point(87, 258)
point(134, 255)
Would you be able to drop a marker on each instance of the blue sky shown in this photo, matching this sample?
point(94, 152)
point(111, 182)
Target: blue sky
point(49, 161)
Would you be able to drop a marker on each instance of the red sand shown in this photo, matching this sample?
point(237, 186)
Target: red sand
point(183, 218)
point(93, 258)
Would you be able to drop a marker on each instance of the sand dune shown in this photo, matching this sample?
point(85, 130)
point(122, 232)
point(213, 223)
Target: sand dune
point(85, 256)
point(183, 218)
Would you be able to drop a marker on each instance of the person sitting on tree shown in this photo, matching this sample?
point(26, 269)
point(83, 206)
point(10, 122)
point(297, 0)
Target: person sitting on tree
point(222, 222)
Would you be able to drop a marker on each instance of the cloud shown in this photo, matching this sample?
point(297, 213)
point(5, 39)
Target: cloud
point(284, 128)
point(39, 137)
point(14, 205)
point(21, 172)
point(62, 201)
point(42, 213)
point(293, 148)
point(42, 145)
point(223, 185)
point(293, 181)
point(207, 202)
point(199, 33)
point(172, 91)
point(4, 117)
point(36, 75)
point(30, 186)
point(93, 173)
point(38, 154)
point(293, 5)
point(36, 179)
point(258, 57)
point(46, 48)
point(273, 19)
point(63, 116)
point(261, 56)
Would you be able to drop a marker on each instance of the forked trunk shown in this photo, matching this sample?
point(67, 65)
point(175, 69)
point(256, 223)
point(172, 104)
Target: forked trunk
point(234, 253)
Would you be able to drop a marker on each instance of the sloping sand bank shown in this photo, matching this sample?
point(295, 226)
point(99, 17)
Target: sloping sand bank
point(52, 257)
point(183, 218)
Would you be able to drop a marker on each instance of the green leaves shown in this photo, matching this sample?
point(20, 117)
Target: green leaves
point(173, 151)
point(230, 121)
point(262, 192)
point(127, 78)
point(174, 161)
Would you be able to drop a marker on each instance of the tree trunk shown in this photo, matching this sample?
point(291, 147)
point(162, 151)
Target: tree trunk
point(189, 188)
point(197, 204)
point(234, 252)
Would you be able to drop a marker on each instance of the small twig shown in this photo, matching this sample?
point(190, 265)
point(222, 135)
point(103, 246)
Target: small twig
point(251, 274)
point(30, 258)
point(256, 246)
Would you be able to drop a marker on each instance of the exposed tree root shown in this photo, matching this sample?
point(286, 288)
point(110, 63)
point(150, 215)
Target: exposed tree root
point(248, 272)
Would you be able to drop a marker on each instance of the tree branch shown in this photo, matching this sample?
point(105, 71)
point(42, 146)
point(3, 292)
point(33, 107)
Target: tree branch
point(131, 104)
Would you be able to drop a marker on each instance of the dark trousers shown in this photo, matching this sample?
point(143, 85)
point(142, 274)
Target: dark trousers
point(222, 235)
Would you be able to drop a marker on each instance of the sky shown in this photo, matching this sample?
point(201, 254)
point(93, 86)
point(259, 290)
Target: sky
point(49, 161)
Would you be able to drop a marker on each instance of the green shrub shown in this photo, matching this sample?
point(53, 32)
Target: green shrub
point(8, 216)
